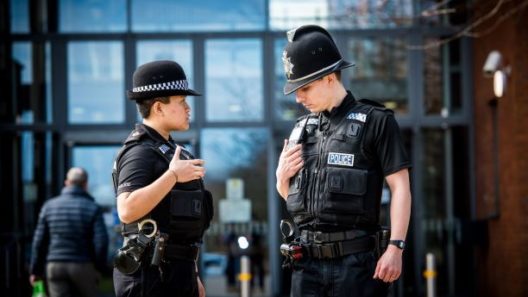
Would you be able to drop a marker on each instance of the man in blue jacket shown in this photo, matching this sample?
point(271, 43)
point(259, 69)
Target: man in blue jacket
point(70, 242)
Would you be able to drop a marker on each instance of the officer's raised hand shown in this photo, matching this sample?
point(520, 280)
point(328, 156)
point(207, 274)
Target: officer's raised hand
point(290, 162)
point(186, 170)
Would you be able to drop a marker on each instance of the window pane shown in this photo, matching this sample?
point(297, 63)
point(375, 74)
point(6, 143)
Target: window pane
point(198, 15)
point(285, 108)
point(95, 82)
point(19, 16)
point(381, 71)
point(22, 54)
point(98, 162)
point(32, 94)
point(179, 51)
point(434, 91)
point(340, 14)
point(92, 16)
point(234, 80)
point(235, 154)
point(219, 146)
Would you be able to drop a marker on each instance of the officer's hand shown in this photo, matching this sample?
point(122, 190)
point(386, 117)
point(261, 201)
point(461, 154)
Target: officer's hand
point(290, 162)
point(389, 266)
point(186, 170)
point(201, 288)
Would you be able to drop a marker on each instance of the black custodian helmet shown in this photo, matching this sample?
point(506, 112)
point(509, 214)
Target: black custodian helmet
point(310, 54)
point(157, 79)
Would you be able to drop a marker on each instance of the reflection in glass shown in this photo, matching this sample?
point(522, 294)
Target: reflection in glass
point(198, 15)
point(433, 80)
point(381, 71)
point(19, 16)
point(340, 14)
point(442, 78)
point(433, 176)
point(179, 51)
point(98, 162)
point(285, 108)
point(232, 153)
point(22, 55)
point(95, 82)
point(92, 16)
point(31, 75)
point(234, 80)
point(237, 153)
point(27, 148)
point(434, 206)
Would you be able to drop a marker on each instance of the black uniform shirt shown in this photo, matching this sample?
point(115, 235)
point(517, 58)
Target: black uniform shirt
point(137, 166)
point(383, 141)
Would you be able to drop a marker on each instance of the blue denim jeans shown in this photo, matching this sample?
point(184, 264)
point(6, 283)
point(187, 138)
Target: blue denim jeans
point(350, 275)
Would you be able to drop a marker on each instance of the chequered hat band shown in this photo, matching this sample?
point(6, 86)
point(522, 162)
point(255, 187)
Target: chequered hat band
point(171, 85)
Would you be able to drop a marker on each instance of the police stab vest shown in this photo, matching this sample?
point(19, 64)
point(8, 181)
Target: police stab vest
point(187, 210)
point(339, 186)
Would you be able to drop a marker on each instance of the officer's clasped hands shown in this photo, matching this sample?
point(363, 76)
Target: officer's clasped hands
point(186, 170)
point(290, 161)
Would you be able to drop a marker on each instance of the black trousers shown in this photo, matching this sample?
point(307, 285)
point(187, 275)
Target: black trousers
point(350, 275)
point(178, 279)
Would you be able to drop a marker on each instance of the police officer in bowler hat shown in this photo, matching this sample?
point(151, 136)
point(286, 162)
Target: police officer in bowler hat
point(161, 200)
point(331, 172)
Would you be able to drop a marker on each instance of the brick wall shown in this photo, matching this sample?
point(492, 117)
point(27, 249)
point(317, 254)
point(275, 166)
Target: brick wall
point(503, 264)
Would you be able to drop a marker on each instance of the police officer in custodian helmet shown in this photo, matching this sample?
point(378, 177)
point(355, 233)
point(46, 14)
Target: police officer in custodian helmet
point(161, 200)
point(331, 172)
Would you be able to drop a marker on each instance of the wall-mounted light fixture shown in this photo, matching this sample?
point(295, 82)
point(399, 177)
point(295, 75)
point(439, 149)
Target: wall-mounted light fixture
point(494, 67)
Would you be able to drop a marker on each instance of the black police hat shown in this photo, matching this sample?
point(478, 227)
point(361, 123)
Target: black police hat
point(310, 54)
point(157, 79)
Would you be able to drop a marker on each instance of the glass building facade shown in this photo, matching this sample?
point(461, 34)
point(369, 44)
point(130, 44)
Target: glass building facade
point(71, 61)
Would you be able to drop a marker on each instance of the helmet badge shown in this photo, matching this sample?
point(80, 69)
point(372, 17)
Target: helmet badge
point(288, 66)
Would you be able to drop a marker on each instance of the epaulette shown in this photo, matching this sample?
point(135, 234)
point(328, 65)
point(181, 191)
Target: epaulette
point(135, 136)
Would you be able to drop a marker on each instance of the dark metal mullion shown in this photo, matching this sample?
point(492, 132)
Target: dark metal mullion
point(450, 219)
point(416, 111)
point(467, 109)
point(199, 63)
point(59, 82)
point(267, 78)
point(418, 208)
point(129, 47)
point(415, 80)
point(274, 211)
point(448, 171)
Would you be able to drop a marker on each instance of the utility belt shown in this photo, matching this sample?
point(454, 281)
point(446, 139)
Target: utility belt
point(321, 237)
point(320, 245)
point(150, 246)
